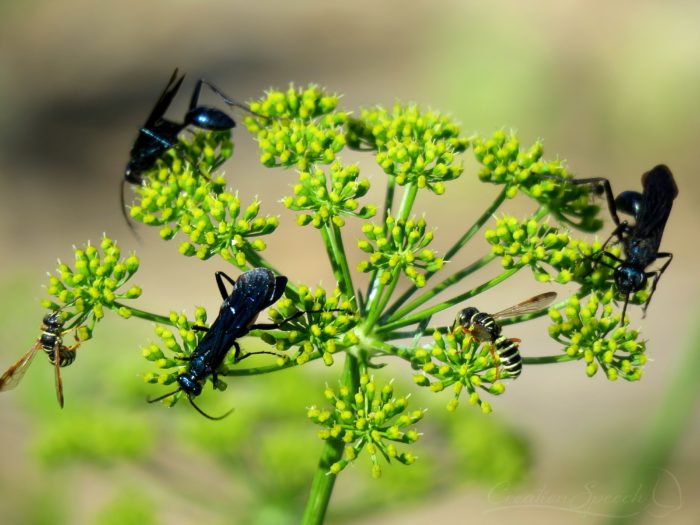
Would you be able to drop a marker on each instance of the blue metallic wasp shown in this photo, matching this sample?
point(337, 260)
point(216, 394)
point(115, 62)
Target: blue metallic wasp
point(254, 291)
point(641, 240)
point(158, 134)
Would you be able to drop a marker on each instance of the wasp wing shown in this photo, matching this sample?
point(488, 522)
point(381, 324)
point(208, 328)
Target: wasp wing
point(530, 305)
point(657, 199)
point(13, 375)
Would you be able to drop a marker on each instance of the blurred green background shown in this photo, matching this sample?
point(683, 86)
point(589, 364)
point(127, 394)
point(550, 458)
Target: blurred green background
point(610, 87)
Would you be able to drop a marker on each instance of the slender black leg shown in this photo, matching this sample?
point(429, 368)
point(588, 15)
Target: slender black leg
point(605, 183)
point(199, 328)
point(272, 326)
point(244, 356)
point(239, 356)
point(617, 233)
point(657, 275)
point(220, 283)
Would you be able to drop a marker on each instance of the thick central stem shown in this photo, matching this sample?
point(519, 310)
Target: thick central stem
point(323, 482)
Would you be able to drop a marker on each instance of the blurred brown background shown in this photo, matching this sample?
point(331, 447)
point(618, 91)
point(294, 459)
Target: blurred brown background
point(610, 87)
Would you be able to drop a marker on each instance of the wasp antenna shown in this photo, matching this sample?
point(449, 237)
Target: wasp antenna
point(160, 398)
point(207, 415)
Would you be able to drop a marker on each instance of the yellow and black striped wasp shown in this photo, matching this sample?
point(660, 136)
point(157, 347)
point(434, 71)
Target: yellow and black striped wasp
point(51, 342)
point(484, 327)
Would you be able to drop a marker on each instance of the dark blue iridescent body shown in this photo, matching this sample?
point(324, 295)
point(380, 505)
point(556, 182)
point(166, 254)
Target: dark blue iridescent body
point(641, 240)
point(254, 291)
point(158, 134)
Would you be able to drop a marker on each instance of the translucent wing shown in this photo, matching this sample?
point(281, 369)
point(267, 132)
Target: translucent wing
point(11, 378)
point(57, 372)
point(530, 305)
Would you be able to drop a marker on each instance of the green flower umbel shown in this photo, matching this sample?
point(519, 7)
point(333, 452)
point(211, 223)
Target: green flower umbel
point(326, 328)
point(371, 419)
point(594, 334)
point(545, 181)
point(456, 360)
point(172, 357)
point(399, 245)
point(303, 127)
point(412, 146)
point(328, 199)
point(96, 281)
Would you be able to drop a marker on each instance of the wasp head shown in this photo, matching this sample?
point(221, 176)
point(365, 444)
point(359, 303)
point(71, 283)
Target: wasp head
point(629, 278)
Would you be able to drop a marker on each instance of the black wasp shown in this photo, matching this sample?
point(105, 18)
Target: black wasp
point(254, 291)
point(158, 134)
point(484, 327)
point(641, 240)
point(51, 341)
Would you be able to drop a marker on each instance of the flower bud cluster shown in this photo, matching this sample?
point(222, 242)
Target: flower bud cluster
point(592, 333)
point(326, 327)
point(95, 282)
point(371, 419)
point(412, 146)
point(399, 245)
point(218, 226)
point(181, 197)
point(170, 356)
point(535, 244)
point(456, 360)
point(327, 201)
point(205, 151)
point(545, 181)
point(553, 255)
point(299, 127)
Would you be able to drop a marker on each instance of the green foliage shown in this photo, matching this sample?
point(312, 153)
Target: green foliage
point(91, 437)
point(128, 507)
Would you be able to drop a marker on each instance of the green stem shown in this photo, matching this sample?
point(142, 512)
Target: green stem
point(148, 316)
point(328, 242)
point(461, 242)
point(409, 197)
point(256, 260)
point(672, 416)
point(417, 317)
point(346, 284)
point(383, 296)
point(259, 370)
point(548, 359)
point(389, 197)
point(323, 482)
point(374, 291)
point(451, 280)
